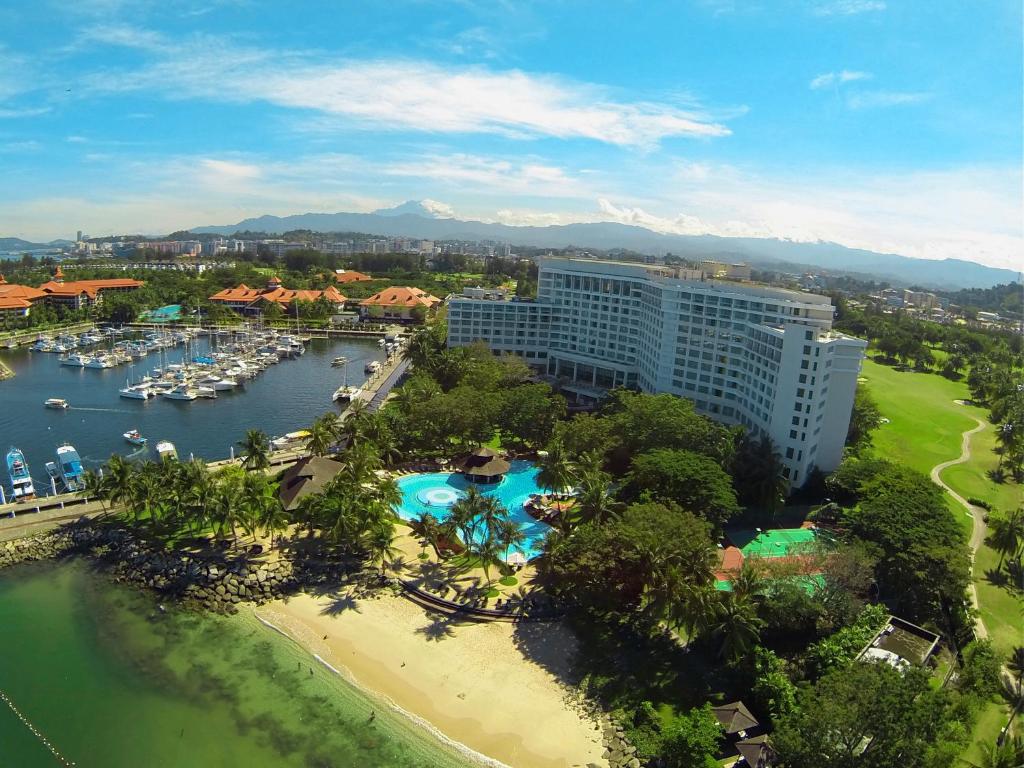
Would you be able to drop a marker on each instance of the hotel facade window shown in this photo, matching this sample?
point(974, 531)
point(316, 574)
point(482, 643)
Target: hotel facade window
point(742, 353)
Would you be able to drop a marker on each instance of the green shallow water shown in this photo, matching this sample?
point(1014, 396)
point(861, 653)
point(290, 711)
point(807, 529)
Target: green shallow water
point(111, 682)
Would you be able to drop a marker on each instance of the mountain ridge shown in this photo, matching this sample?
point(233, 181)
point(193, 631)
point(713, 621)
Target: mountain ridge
point(760, 252)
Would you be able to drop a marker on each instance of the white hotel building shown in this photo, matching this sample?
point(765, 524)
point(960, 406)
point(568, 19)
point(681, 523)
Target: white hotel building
point(763, 357)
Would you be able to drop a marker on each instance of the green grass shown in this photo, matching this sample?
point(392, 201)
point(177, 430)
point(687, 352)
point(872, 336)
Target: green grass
point(508, 581)
point(925, 429)
point(925, 424)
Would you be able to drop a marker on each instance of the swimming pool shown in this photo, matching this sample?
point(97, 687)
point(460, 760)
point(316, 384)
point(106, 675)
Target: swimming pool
point(437, 492)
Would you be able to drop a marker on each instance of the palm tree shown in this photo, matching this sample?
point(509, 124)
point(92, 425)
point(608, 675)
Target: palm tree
point(557, 472)
point(379, 544)
point(509, 534)
point(487, 549)
point(426, 527)
point(262, 505)
point(737, 627)
point(323, 434)
point(594, 501)
point(96, 488)
point(749, 583)
point(118, 480)
point(1008, 754)
point(1006, 535)
point(256, 447)
point(465, 514)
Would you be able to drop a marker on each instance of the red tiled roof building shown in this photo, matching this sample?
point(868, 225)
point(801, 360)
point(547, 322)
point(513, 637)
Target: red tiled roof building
point(251, 300)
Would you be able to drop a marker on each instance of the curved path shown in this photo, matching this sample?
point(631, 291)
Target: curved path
point(977, 514)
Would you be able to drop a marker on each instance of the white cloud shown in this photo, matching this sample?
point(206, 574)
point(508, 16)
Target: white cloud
point(848, 7)
point(232, 170)
point(830, 79)
point(439, 209)
point(16, 112)
point(491, 175)
point(881, 99)
point(968, 213)
point(403, 94)
point(18, 147)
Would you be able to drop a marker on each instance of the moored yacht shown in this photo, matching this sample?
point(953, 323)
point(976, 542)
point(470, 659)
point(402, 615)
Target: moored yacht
point(21, 480)
point(136, 391)
point(346, 394)
point(165, 450)
point(77, 360)
point(69, 464)
point(181, 392)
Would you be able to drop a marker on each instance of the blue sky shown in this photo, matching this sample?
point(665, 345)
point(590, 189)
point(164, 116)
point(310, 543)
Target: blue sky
point(886, 124)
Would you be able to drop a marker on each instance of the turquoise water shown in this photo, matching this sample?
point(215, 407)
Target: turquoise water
point(112, 682)
point(164, 314)
point(436, 492)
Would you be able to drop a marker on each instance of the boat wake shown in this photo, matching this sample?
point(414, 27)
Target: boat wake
point(99, 410)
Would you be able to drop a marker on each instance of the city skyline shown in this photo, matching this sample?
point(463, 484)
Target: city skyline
point(840, 120)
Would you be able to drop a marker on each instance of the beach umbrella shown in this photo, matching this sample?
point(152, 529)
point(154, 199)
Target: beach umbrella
point(516, 558)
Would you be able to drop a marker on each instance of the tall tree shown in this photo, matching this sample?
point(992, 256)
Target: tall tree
point(256, 450)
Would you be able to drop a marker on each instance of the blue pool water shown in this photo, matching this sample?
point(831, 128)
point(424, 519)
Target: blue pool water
point(436, 492)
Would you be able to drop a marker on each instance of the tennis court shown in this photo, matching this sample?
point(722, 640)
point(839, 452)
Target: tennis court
point(780, 542)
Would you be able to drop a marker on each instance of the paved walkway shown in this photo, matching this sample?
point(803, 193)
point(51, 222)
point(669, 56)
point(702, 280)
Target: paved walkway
point(977, 515)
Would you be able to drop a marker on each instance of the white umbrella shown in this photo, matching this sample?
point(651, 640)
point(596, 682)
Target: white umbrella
point(516, 558)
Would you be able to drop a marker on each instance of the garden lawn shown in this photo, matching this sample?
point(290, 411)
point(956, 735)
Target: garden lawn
point(925, 429)
point(925, 424)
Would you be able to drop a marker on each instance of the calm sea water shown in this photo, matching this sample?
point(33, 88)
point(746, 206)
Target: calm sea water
point(111, 682)
point(285, 397)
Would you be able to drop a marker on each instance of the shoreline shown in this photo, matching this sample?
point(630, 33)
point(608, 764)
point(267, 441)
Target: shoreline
point(346, 675)
point(477, 692)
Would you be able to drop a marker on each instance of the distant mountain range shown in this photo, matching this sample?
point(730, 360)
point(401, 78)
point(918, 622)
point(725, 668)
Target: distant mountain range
point(17, 244)
point(424, 219)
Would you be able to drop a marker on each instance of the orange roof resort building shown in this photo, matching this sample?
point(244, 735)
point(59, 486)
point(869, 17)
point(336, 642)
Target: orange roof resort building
point(17, 300)
point(253, 301)
point(397, 303)
point(350, 276)
point(74, 294)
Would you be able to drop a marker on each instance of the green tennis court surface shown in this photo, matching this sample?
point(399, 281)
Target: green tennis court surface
point(776, 543)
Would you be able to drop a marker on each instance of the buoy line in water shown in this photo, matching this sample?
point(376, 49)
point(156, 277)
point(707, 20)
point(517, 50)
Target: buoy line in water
point(35, 731)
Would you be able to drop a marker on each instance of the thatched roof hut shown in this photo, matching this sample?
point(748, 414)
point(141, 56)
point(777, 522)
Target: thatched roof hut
point(484, 465)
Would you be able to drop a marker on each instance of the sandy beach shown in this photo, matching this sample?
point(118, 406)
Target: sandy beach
point(493, 687)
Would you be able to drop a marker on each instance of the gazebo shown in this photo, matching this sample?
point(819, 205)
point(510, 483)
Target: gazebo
point(484, 465)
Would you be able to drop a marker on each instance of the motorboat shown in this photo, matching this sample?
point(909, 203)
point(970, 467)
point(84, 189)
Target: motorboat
point(21, 480)
point(165, 450)
point(76, 361)
point(100, 361)
point(58, 403)
point(69, 464)
point(346, 394)
point(54, 474)
point(372, 367)
point(181, 392)
point(338, 362)
point(136, 392)
point(208, 392)
point(290, 439)
point(42, 344)
point(217, 383)
point(134, 437)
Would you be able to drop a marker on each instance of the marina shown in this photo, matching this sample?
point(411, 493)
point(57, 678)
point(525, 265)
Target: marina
point(199, 393)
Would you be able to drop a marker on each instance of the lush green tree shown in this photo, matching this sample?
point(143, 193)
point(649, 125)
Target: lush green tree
point(839, 649)
point(922, 556)
point(864, 419)
point(757, 474)
point(595, 502)
point(980, 673)
point(691, 740)
point(773, 691)
point(585, 434)
point(864, 716)
point(652, 563)
point(529, 412)
point(1006, 534)
point(643, 422)
point(692, 480)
